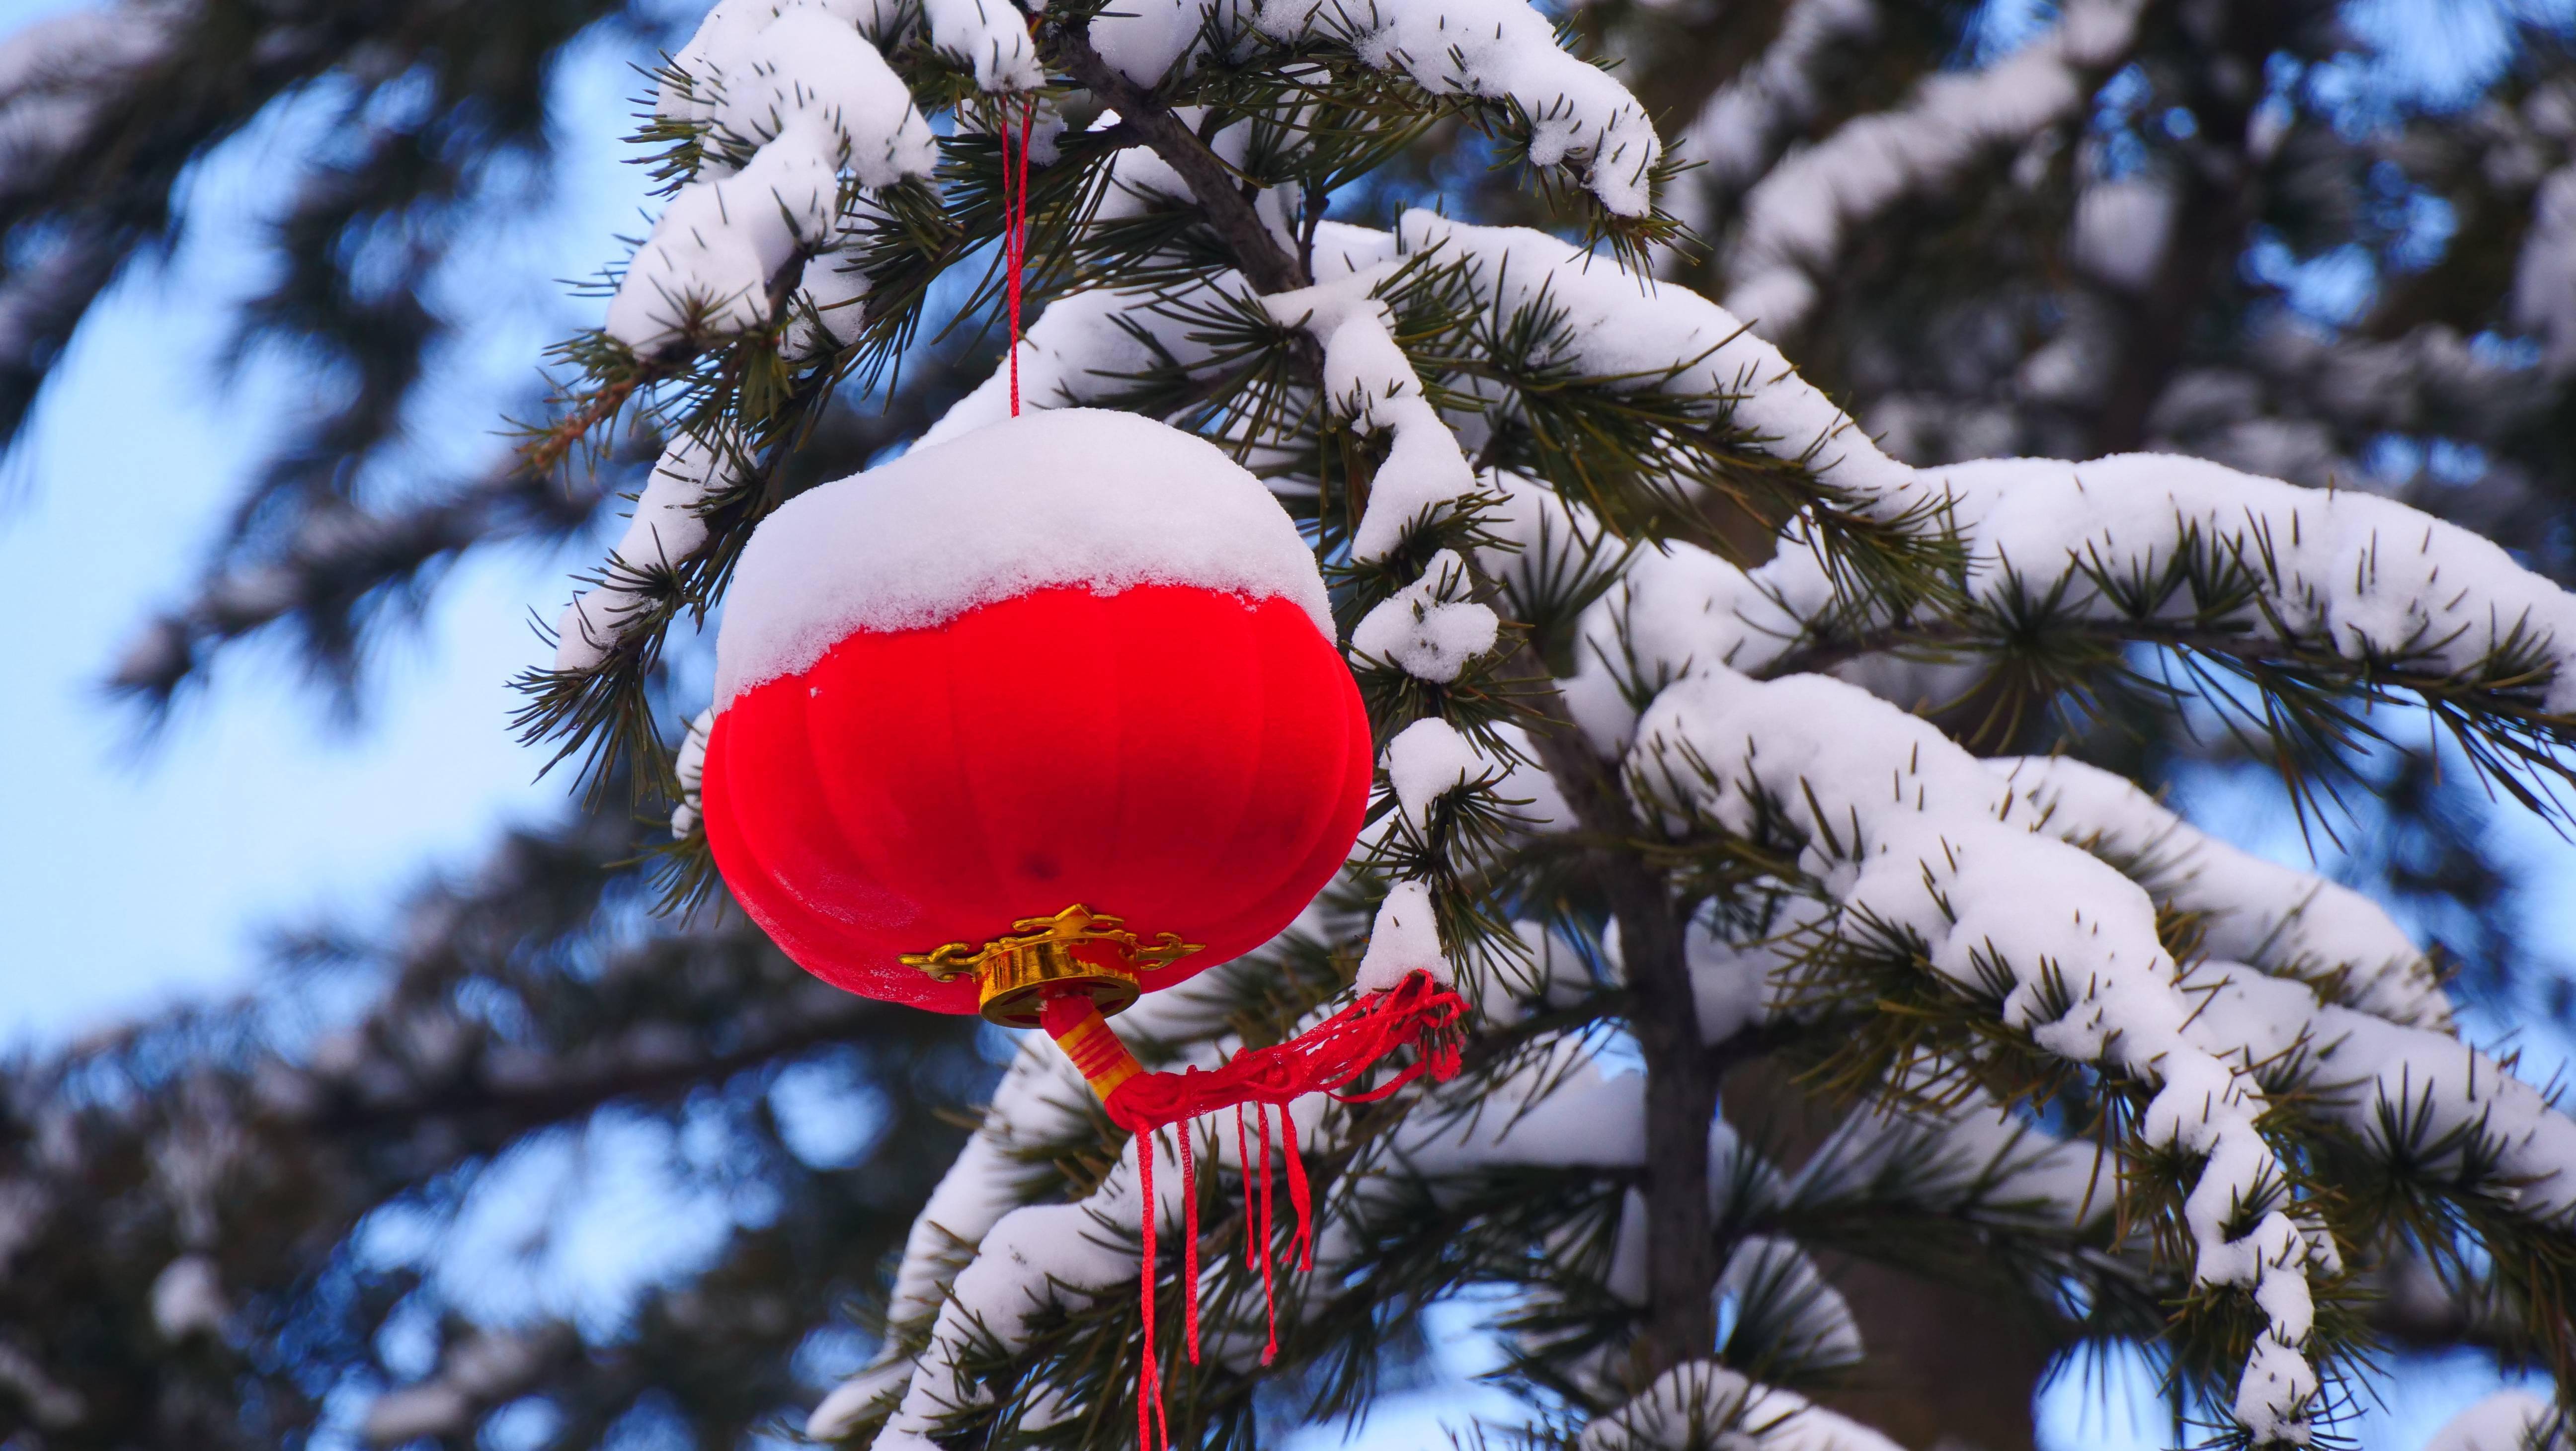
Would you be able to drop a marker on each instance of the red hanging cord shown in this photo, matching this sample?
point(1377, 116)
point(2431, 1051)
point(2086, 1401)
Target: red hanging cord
point(1189, 1247)
point(1015, 226)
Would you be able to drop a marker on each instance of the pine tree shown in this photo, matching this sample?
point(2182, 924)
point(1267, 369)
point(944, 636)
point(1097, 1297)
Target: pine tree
point(1937, 1013)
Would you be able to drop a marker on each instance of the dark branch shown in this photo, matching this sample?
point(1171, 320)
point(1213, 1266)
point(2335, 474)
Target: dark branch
point(1219, 190)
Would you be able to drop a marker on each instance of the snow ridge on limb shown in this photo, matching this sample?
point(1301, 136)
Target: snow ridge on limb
point(787, 98)
point(1500, 52)
point(1040, 1101)
point(1797, 216)
point(2364, 579)
point(1368, 380)
point(2153, 547)
point(2409, 1093)
point(1701, 1403)
point(1505, 51)
point(666, 529)
point(1741, 129)
point(1432, 628)
point(2514, 1420)
point(1912, 838)
point(2284, 921)
point(56, 77)
point(1670, 339)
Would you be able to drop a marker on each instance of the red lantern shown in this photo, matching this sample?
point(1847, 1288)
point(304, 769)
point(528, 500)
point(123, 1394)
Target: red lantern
point(1190, 763)
point(1039, 719)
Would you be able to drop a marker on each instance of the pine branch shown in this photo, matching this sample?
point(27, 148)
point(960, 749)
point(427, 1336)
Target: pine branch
point(1218, 188)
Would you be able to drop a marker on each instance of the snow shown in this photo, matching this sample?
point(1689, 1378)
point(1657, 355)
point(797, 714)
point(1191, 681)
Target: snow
point(691, 768)
point(2357, 574)
point(1795, 219)
point(1427, 760)
point(855, 1399)
point(2368, 1072)
point(2505, 1421)
point(1084, 348)
point(1739, 132)
point(665, 530)
point(1022, 1258)
point(2354, 574)
point(710, 257)
point(1771, 1278)
point(992, 40)
point(2122, 229)
point(1503, 52)
point(1428, 629)
point(809, 97)
point(2282, 920)
point(809, 67)
point(1977, 1156)
point(828, 313)
point(1041, 1102)
point(481, 1369)
point(1144, 40)
point(1901, 825)
point(1405, 940)
point(991, 37)
point(1369, 380)
point(2543, 301)
point(1732, 985)
point(1701, 1403)
point(52, 1404)
point(56, 74)
point(1071, 497)
point(188, 1299)
point(1620, 325)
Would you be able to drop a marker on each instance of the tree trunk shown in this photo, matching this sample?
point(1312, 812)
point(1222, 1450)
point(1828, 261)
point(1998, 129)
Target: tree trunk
point(1948, 1367)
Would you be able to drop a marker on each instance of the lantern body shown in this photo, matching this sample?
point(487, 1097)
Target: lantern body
point(1075, 660)
point(1184, 759)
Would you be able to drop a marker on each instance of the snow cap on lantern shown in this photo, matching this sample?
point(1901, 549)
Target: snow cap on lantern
point(1075, 496)
point(1066, 682)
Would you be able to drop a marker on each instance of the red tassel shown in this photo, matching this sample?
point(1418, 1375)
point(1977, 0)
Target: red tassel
point(1415, 1013)
point(1301, 1250)
point(1243, 1157)
point(1324, 1058)
point(1189, 1247)
point(1149, 1389)
point(1269, 1289)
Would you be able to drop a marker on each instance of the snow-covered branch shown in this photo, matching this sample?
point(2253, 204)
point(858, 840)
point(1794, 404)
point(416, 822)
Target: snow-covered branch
point(789, 100)
point(2287, 922)
point(1914, 840)
point(1701, 1403)
point(1503, 53)
point(1797, 219)
point(1745, 125)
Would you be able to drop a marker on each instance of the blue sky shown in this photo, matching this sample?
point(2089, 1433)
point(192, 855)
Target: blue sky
point(135, 874)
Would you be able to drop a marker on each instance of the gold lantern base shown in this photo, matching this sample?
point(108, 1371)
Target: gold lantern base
point(1076, 950)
